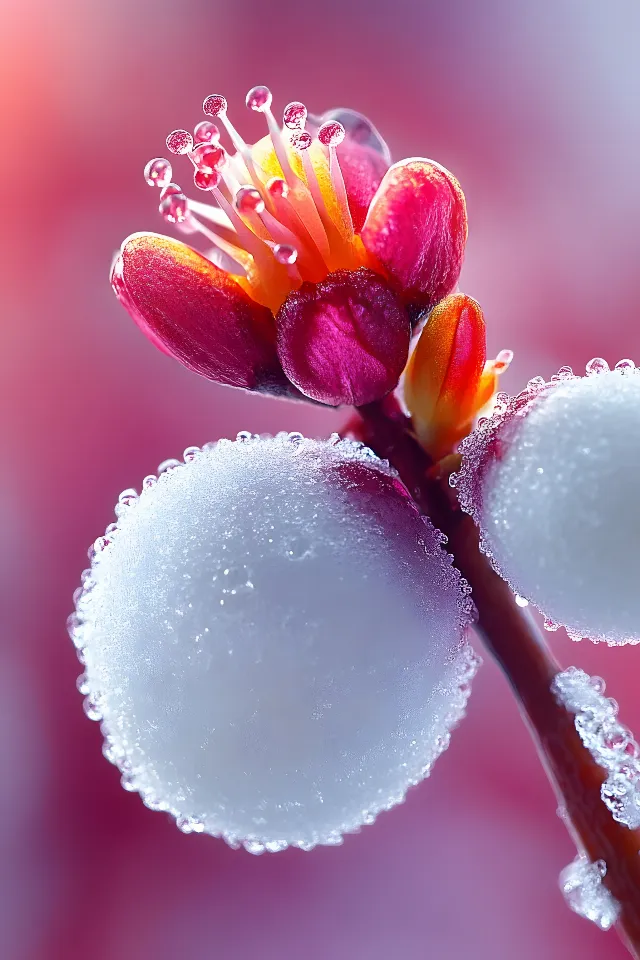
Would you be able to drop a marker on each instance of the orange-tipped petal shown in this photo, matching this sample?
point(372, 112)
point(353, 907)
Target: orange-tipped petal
point(447, 380)
point(417, 228)
point(197, 313)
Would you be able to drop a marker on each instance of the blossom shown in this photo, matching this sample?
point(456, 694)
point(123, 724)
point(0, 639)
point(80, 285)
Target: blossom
point(321, 258)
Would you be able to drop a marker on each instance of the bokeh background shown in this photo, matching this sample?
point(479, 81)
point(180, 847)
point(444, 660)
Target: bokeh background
point(535, 107)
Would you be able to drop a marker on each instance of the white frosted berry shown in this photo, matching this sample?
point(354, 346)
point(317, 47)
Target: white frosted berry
point(274, 640)
point(552, 481)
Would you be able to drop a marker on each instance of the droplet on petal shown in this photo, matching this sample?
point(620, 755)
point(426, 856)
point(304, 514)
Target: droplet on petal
point(344, 340)
point(248, 682)
point(551, 479)
point(179, 141)
point(214, 105)
point(158, 172)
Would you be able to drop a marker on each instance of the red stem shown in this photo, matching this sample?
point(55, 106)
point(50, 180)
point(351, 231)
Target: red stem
point(513, 639)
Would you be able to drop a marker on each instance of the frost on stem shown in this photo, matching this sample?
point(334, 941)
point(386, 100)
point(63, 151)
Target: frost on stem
point(551, 480)
point(274, 640)
point(610, 743)
point(585, 894)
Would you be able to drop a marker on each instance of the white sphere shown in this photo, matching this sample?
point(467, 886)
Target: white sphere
point(552, 481)
point(274, 640)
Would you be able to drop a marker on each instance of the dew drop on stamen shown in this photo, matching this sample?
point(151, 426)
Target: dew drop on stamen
point(208, 158)
point(170, 189)
point(248, 200)
point(294, 115)
point(285, 254)
point(214, 105)
point(331, 134)
point(301, 141)
point(158, 172)
point(259, 99)
point(174, 208)
point(206, 181)
point(277, 187)
point(206, 132)
point(179, 142)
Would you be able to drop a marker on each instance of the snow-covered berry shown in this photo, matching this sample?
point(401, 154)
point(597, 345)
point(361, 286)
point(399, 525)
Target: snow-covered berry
point(552, 481)
point(274, 640)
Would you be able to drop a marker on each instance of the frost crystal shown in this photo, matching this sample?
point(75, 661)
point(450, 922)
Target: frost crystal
point(610, 743)
point(551, 480)
point(583, 889)
point(274, 641)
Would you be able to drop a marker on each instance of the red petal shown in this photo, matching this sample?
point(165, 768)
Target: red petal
point(197, 313)
point(362, 172)
point(417, 228)
point(344, 340)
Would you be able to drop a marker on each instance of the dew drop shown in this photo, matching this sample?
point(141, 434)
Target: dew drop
point(259, 99)
point(179, 142)
point(190, 454)
point(301, 141)
point(168, 465)
point(174, 208)
point(249, 200)
point(206, 181)
point(158, 172)
point(92, 706)
point(206, 132)
point(331, 134)
point(244, 436)
point(214, 105)
point(550, 625)
point(597, 365)
point(285, 254)
point(277, 187)
point(295, 115)
point(208, 158)
point(522, 601)
point(169, 190)
point(625, 366)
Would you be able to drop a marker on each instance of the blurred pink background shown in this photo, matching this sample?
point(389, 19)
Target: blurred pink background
point(534, 106)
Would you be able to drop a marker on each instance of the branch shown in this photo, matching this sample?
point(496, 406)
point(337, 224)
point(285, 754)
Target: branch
point(514, 641)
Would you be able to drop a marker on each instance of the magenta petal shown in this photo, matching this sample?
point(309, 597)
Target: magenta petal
point(344, 340)
point(197, 313)
point(417, 228)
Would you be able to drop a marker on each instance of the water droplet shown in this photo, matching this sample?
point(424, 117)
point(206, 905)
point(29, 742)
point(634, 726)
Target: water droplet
point(92, 706)
point(190, 454)
point(214, 105)
point(149, 481)
point(585, 894)
point(128, 782)
point(174, 208)
point(179, 142)
point(277, 187)
point(597, 365)
point(206, 181)
point(158, 172)
point(521, 601)
point(82, 684)
point(301, 140)
point(244, 436)
point(206, 132)
point(294, 115)
point(550, 625)
point(168, 465)
point(259, 99)
point(331, 134)
point(295, 437)
point(248, 200)
point(169, 190)
point(285, 254)
point(208, 158)
point(254, 846)
point(625, 366)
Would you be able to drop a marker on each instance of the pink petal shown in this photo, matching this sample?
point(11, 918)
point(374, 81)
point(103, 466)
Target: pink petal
point(197, 313)
point(417, 228)
point(344, 340)
point(362, 172)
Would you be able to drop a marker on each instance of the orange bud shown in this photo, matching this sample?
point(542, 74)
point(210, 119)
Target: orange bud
point(447, 379)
